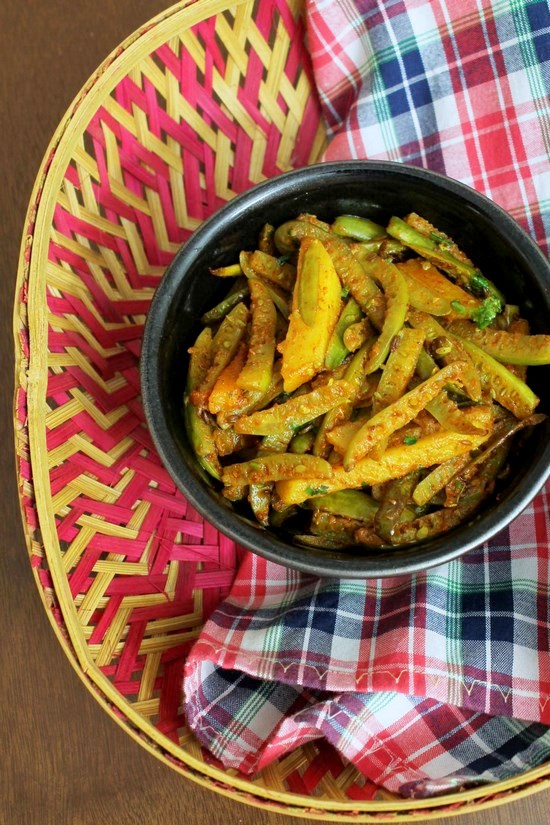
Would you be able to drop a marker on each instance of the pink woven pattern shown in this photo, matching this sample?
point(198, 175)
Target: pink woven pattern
point(160, 155)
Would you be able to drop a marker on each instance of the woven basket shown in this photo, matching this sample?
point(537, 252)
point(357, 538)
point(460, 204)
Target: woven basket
point(201, 103)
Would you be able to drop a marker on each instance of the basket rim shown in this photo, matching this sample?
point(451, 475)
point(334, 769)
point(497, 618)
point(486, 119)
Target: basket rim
point(30, 377)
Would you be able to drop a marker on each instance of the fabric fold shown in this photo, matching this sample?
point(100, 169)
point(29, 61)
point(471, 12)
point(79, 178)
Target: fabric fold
point(424, 682)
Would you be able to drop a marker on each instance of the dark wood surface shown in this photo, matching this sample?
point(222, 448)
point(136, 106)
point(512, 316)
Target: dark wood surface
point(64, 760)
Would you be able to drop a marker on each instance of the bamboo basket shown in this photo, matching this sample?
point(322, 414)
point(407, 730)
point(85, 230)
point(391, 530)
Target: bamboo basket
point(204, 101)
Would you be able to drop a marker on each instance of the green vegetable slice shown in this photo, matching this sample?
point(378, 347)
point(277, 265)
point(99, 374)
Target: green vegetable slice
point(397, 298)
point(275, 467)
point(199, 430)
point(435, 251)
point(257, 373)
point(296, 411)
point(506, 347)
point(396, 415)
point(361, 229)
point(337, 351)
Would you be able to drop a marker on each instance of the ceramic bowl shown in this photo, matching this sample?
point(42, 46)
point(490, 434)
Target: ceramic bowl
point(497, 244)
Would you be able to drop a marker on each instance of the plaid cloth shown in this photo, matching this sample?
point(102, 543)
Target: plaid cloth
point(443, 678)
point(460, 87)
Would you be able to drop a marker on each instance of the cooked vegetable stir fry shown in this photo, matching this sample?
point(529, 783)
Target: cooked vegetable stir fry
point(359, 385)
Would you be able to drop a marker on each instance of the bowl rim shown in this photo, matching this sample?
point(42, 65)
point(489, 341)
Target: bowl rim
point(438, 551)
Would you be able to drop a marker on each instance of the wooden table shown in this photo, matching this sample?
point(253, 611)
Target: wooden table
point(64, 760)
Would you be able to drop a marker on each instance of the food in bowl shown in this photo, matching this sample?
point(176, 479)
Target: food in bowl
point(359, 384)
point(378, 190)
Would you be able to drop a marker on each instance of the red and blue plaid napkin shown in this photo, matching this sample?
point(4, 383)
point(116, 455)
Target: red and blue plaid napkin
point(443, 678)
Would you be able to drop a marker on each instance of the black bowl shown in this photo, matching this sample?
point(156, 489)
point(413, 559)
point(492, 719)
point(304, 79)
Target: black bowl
point(495, 242)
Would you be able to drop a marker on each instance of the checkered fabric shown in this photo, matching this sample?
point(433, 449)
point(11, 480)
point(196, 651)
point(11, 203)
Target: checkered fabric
point(443, 678)
point(460, 87)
